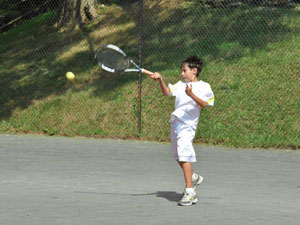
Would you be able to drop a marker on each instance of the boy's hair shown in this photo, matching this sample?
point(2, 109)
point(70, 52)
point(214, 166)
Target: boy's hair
point(193, 62)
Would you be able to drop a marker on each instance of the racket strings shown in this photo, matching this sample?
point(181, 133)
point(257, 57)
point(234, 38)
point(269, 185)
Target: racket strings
point(112, 59)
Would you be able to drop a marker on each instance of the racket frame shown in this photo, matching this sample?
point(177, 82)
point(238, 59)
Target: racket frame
point(116, 48)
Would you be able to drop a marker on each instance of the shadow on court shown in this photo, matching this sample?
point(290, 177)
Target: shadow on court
point(75, 181)
point(171, 196)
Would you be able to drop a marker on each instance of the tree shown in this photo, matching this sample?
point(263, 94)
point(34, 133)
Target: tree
point(69, 12)
point(72, 12)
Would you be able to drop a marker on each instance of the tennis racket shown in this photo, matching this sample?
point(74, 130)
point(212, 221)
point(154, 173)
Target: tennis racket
point(113, 59)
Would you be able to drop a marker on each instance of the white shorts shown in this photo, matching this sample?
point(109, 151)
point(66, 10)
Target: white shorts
point(182, 136)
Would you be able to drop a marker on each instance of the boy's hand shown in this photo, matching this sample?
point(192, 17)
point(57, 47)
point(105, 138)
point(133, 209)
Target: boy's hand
point(188, 90)
point(155, 76)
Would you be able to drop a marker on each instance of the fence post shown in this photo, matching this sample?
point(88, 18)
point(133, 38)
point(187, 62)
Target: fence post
point(140, 64)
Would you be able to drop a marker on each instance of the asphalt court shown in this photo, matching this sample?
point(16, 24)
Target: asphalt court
point(81, 181)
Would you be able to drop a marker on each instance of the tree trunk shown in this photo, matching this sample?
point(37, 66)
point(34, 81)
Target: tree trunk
point(75, 12)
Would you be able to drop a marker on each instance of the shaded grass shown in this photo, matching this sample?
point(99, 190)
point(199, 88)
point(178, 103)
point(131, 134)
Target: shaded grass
point(251, 61)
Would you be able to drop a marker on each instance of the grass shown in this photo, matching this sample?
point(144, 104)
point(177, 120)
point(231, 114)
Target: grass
point(251, 59)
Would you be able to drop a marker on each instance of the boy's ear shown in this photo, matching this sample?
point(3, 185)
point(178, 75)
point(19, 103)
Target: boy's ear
point(195, 70)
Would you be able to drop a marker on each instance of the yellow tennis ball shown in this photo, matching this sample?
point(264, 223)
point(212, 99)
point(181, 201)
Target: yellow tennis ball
point(70, 75)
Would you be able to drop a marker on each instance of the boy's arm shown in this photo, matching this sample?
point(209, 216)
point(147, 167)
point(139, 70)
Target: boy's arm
point(199, 101)
point(165, 90)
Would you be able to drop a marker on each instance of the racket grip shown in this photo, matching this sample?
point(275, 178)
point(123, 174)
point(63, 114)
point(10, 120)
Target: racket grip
point(147, 72)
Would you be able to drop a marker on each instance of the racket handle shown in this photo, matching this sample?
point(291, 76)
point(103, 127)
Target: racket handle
point(147, 72)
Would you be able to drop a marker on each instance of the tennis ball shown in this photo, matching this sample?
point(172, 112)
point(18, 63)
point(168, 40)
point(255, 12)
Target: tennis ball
point(70, 75)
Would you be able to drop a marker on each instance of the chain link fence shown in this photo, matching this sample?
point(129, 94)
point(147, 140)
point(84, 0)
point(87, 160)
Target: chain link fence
point(251, 59)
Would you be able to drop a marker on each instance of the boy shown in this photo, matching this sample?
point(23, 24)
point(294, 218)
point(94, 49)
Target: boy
point(191, 96)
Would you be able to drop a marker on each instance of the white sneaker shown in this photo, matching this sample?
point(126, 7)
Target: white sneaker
point(188, 199)
point(197, 181)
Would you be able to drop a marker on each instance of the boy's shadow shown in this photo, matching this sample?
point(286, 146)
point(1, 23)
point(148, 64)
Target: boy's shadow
point(171, 196)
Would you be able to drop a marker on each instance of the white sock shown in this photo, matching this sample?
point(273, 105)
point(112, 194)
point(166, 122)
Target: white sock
point(190, 190)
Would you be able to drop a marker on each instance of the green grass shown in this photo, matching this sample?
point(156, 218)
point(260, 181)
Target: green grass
point(251, 59)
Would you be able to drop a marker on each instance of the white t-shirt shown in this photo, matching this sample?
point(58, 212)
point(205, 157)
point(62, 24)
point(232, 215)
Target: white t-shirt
point(186, 109)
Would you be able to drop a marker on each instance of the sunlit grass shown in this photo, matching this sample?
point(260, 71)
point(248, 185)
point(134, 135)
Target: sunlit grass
point(251, 61)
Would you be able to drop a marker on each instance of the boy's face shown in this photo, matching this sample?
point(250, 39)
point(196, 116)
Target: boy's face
point(188, 75)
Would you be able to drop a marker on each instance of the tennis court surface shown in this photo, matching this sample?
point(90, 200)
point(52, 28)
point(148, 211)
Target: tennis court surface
point(78, 181)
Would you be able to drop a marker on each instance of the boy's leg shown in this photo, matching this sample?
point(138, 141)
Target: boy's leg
point(187, 172)
point(189, 196)
point(182, 137)
point(187, 169)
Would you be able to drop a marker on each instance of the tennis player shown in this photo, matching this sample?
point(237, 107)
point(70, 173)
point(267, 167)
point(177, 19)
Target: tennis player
point(191, 96)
